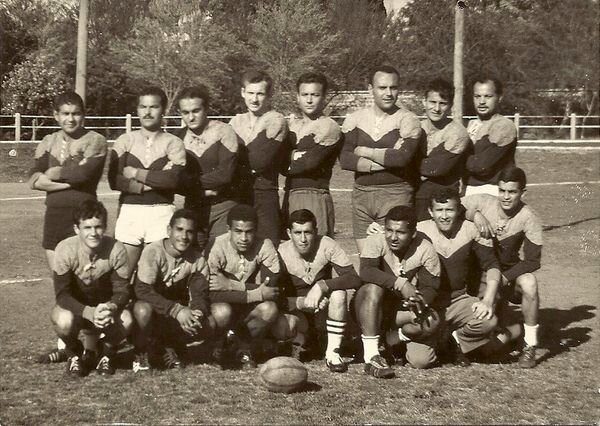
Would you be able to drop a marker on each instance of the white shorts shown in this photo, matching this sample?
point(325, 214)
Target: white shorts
point(482, 189)
point(139, 224)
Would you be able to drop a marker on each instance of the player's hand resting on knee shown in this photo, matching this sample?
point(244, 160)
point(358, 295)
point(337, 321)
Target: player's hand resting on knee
point(483, 225)
point(104, 314)
point(189, 320)
point(268, 293)
point(482, 310)
point(314, 296)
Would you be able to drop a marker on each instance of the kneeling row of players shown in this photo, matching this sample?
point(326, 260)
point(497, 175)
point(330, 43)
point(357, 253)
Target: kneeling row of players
point(243, 292)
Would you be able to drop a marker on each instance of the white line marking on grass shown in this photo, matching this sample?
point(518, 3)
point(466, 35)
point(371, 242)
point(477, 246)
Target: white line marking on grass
point(29, 280)
point(43, 197)
point(114, 194)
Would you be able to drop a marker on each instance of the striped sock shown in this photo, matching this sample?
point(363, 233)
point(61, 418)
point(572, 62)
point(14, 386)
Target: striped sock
point(335, 332)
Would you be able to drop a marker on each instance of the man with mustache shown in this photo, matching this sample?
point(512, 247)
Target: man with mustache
point(381, 143)
point(494, 139)
point(261, 131)
point(145, 166)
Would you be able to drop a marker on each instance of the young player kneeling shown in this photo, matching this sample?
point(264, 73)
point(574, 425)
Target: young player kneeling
point(90, 281)
point(172, 290)
point(308, 260)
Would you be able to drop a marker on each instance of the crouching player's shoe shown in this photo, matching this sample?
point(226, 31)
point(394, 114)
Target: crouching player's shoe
point(105, 366)
point(527, 358)
point(378, 367)
point(171, 359)
point(335, 363)
point(80, 365)
point(54, 356)
point(141, 363)
point(246, 360)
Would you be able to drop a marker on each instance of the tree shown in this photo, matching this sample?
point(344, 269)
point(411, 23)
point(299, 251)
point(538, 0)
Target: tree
point(291, 38)
point(177, 45)
point(32, 85)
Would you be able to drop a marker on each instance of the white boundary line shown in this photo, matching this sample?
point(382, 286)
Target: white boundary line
point(27, 280)
point(114, 194)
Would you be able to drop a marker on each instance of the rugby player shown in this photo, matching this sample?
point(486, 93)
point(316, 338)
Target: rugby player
point(444, 149)
point(211, 159)
point(315, 141)
point(67, 166)
point(380, 146)
point(494, 139)
point(458, 243)
point(244, 272)
point(307, 262)
point(261, 131)
point(513, 226)
point(171, 286)
point(145, 166)
point(400, 271)
point(91, 286)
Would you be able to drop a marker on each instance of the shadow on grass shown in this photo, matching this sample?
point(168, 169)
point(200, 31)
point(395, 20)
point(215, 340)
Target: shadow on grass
point(564, 225)
point(557, 336)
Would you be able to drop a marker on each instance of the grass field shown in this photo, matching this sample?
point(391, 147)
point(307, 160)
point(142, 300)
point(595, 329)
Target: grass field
point(563, 388)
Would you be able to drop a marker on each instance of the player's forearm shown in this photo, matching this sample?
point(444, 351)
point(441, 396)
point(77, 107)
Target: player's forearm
point(42, 182)
point(263, 153)
point(145, 292)
point(81, 174)
point(199, 293)
point(221, 177)
point(370, 273)
point(492, 280)
point(440, 164)
point(400, 157)
point(121, 290)
point(428, 285)
point(160, 179)
point(312, 160)
point(347, 279)
point(484, 161)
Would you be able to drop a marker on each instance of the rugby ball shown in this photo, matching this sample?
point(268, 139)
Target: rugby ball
point(283, 374)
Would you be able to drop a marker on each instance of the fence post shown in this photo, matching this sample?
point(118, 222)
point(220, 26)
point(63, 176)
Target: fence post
point(573, 128)
point(517, 120)
point(18, 127)
point(128, 123)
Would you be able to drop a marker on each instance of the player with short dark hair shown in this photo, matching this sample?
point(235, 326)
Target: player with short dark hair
point(445, 143)
point(400, 271)
point(244, 273)
point(494, 139)
point(458, 244)
point(67, 166)
point(211, 159)
point(261, 131)
point(171, 286)
point(307, 263)
point(90, 282)
point(513, 226)
point(145, 166)
point(381, 144)
point(315, 141)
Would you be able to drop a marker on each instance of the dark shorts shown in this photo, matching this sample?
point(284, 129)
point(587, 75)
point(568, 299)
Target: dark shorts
point(372, 203)
point(58, 225)
point(318, 201)
point(266, 203)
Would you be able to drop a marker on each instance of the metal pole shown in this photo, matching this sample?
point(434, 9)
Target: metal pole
point(573, 128)
point(517, 121)
point(128, 123)
point(459, 26)
point(18, 127)
point(82, 44)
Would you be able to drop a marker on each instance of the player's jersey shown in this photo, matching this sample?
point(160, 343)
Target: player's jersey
point(395, 139)
point(211, 161)
point(243, 267)
point(301, 274)
point(261, 149)
point(523, 230)
point(316, 145)
point(494, 146)
point(160, 161)
point(456, 254)
point(81, 162)
point(168, 282)
point(443, 157)
point(82, 278)
point(420, 265)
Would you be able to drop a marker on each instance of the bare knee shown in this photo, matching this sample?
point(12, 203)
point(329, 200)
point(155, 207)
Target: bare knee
point(126, 320)
point(369, 295)
point(222, 313)
point(527, 284)
point(63, 320)
point(337, 304)
point(266, 311)
point(142, 312)
point(286, 327)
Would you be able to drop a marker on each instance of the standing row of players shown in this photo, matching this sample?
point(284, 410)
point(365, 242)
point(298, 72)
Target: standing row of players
point(398, 161)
